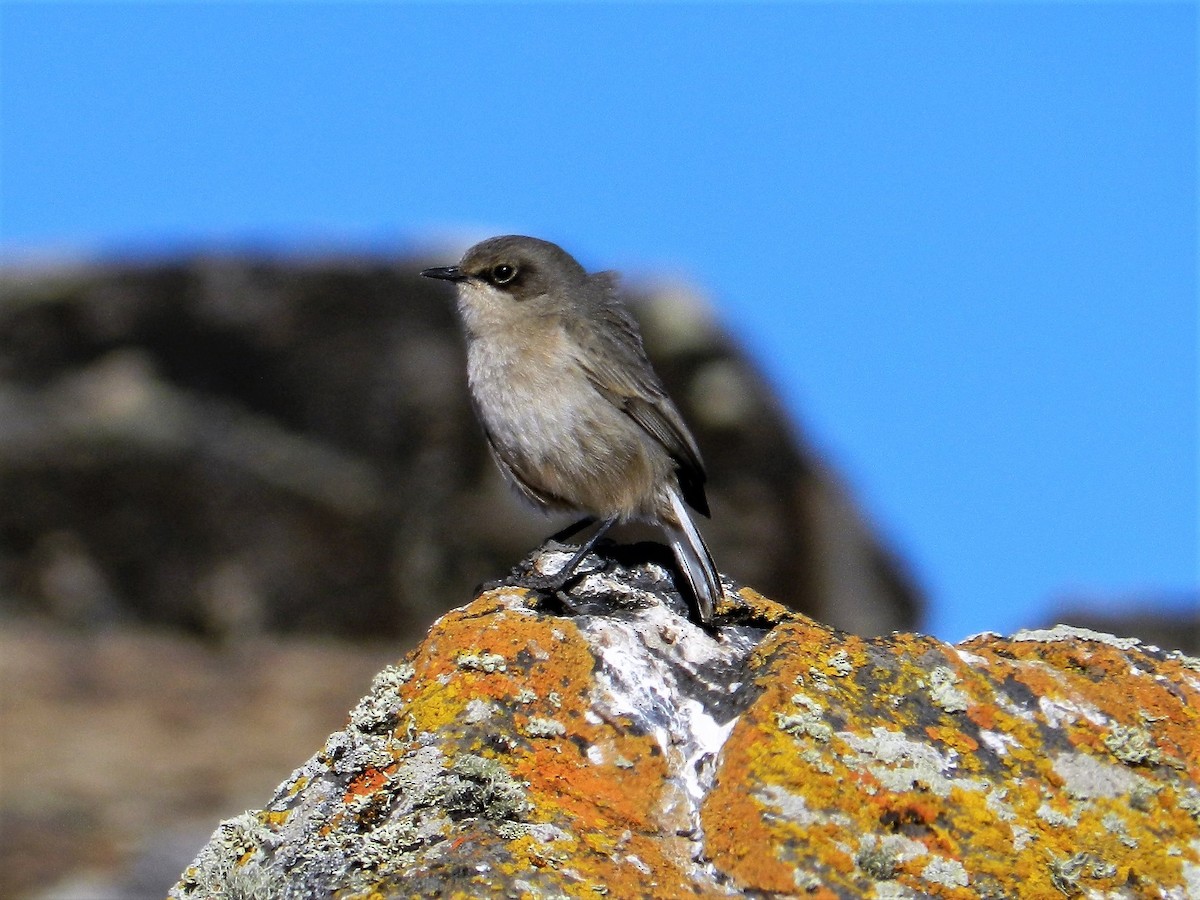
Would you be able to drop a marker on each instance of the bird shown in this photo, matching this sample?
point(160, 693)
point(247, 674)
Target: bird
point(575, 416)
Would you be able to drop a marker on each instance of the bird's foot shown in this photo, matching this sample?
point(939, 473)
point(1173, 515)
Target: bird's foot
point(553, 582)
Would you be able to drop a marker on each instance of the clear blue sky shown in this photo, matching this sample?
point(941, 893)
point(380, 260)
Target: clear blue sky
point(960, 239)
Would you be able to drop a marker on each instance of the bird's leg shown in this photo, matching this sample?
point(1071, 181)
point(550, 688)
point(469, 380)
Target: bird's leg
point(562, 576)
point(571, 530)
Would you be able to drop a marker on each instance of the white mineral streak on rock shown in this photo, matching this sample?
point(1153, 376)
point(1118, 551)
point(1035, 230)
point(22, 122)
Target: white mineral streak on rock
point(971, 659)
point(1064, 712)
point(662, 687)
point(997, 741)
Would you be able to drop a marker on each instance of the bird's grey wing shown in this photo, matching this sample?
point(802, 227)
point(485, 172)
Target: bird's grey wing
point(615, 363)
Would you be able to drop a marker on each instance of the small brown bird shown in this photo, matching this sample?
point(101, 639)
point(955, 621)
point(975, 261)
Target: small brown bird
point(575, 416)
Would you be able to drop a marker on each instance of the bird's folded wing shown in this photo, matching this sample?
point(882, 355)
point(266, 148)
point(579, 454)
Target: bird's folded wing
point(615, 363)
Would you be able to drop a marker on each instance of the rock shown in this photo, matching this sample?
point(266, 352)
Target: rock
point(597, 742)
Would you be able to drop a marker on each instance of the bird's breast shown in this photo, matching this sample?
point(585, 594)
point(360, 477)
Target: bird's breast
point(527, 389)
point(548, 422)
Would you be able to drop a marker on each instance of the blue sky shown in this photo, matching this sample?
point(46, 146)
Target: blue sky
point(961, 239)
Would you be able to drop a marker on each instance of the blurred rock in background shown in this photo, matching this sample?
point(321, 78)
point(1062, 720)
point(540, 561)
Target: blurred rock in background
point(216, 472)
point(230, 445)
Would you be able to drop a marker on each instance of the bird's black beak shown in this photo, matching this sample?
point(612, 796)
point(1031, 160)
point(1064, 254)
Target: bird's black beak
point(445, 273)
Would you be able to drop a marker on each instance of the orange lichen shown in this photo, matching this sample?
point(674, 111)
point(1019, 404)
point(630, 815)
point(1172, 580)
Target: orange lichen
point(1036, 766)
point(1004, 808)
point(366, 783)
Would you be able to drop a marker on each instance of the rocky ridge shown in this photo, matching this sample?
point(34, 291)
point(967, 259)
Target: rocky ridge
point(597, 742)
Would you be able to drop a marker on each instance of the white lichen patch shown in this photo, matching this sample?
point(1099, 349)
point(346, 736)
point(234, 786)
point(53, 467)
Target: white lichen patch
point(1071, 633)
point(996, 802)
point(805, 880)
point(1087, 778)
point(514, 601)
point(787, 805)
point(808, 721)
point(1189, 802)
point(1009, 707)
point(839, 664)
point(1022, 838)
point(899, 762)
point(637, 863)
point(538, 727)
point(1191, 879)
point(477, 711)
point(946, 872)
point(814, 758)
point(893, 890)
point(983, 636)
point(818, 678)
point(943, 690)
point(1115, 825)
point(489, 663)
point(1058, 818)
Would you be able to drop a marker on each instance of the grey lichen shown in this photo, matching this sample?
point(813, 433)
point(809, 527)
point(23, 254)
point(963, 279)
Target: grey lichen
point(878, 862)
point(1065, 874)
point(220, 871)
point(898, 762)
point(813, 757)
point(1057, 818)
point(1086, 777)
point(1071, 633)
point(1132, 745)
point(1189, 802)
point(807, 722)
point(380, 709)
point(538, 727)
point(819, 679)
point(946, 872)
point(840, 664)
point(483, 788)
point(807, 881)
point(943, 691)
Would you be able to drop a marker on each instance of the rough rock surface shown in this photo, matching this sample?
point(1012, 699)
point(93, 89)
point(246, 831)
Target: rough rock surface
point(598, 743)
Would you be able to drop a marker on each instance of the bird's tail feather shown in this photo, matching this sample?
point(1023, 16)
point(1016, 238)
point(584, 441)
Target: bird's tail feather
point(694, 559)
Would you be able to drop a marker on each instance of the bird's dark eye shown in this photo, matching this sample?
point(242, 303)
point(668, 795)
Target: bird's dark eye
point(503, 273)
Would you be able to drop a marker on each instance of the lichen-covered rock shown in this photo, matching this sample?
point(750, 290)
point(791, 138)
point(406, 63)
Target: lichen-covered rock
point(599, 743)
